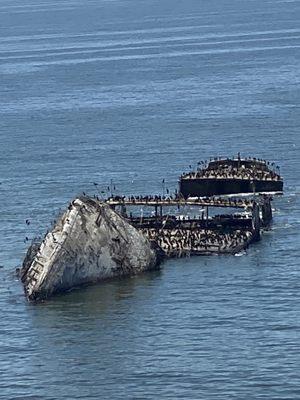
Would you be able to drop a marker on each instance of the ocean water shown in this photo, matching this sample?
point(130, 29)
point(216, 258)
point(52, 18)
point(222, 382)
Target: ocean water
point(135, 91)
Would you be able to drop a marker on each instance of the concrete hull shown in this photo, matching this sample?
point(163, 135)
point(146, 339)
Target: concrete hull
point(209, 187)
point(89, 243)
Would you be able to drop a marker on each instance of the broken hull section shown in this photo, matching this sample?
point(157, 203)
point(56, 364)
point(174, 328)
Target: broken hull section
point(89, 243)
point(197, 187)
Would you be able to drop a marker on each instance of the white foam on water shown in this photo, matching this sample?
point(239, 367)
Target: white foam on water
point(240, 254)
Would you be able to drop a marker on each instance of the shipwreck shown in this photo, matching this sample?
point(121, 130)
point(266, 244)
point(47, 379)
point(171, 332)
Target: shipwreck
point(98, 239)
point(95, 239)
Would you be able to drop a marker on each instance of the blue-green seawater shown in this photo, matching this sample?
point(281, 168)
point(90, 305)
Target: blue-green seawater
point(135, 91)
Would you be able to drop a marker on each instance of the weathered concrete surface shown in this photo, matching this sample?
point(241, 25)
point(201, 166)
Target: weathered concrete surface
point(89, 243)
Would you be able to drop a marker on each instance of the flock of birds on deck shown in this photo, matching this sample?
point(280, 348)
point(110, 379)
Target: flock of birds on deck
point(228, 172)
point(178, 242)
point(214, 201)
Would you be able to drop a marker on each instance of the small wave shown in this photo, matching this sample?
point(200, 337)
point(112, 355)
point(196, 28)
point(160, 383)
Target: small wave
point(240, 253)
